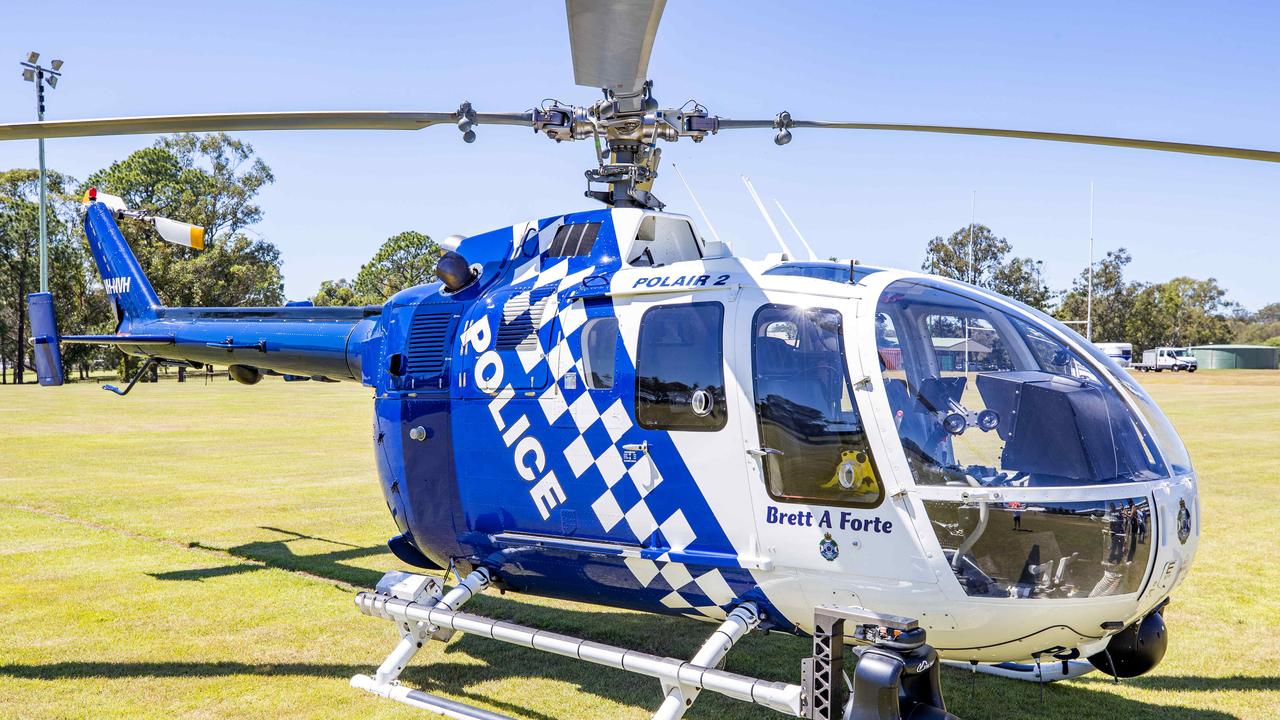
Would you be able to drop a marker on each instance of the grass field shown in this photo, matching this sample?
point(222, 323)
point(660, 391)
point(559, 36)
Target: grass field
point(192, 551)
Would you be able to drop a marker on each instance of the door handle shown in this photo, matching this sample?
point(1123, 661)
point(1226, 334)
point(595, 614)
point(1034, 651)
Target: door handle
point(640, 447)
point(762, 452)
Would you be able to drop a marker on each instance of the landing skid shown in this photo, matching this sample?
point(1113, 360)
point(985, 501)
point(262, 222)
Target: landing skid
point(1051, 671)
point(896, 675)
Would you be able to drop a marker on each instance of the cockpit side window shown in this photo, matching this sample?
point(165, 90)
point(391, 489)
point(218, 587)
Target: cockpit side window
point(814, 441)
point(680, 368)
point(983, 396)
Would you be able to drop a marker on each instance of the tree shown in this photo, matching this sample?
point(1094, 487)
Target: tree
point(1023, 279)
point(1112, 298)
point(211, 181)
point(1182, 311)
point(976, 255)
point(404, 260)
point(19, 265)
point(336, 292)
point(1261, 327)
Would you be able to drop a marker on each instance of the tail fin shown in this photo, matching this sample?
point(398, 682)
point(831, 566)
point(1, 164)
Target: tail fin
point(127, 287)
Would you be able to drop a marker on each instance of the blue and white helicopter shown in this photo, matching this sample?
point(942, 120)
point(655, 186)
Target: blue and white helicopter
point(610, 407)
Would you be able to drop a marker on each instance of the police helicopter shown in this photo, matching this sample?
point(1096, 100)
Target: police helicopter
point(608, 406)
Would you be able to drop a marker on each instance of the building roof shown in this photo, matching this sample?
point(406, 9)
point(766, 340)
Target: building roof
point(958, 345)
point(1233, 347)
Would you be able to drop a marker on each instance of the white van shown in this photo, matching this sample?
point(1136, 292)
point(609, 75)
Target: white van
point(1122, 353)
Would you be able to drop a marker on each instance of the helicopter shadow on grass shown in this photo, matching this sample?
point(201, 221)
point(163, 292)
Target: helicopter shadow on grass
point(469, 662)
point(773, 657)
point(265, 554)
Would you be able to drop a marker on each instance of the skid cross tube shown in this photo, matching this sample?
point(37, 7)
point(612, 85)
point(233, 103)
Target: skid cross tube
point(672, 672)
point(742, 620)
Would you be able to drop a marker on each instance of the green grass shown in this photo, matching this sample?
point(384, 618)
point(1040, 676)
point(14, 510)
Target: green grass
point(192, 551)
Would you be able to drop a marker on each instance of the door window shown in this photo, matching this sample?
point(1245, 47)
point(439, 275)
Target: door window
point(815, 444)
point(680, 368)
point(599, 349)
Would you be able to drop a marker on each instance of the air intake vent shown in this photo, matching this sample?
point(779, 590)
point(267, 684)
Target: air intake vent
point(521, 318)
point(430, 336)
point(574, 240)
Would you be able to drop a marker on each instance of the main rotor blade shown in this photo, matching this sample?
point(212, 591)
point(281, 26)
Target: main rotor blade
point(611, 40)
point(1161, 145)
point(305, 120)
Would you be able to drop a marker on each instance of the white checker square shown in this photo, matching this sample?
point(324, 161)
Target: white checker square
point(571, 280)
point(677, 531)
point(676, 574)
point(572, 318)
point(525, 271)
point(616, 420)
point(644, 570)
point(712, 611)
point(609, 514)
point(550, 311)
point(553, 274)
point(553, 404)
point(675, 602)
point(529, 359)
point(644, 474)
point(560, 359)
point(579, 456)
point(610, 466)
point(640, 520)
point(715, 588)
point(584, 411)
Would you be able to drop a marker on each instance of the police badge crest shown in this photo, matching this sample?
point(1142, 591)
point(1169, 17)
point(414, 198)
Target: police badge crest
point(1184, 522)
point(828, 548)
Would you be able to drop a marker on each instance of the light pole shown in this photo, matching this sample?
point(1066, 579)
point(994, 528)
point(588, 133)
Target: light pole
point(1088, 322)
point(33, 72)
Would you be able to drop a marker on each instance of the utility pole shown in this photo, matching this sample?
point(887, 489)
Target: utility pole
point(1088, 318)
point(35, 73)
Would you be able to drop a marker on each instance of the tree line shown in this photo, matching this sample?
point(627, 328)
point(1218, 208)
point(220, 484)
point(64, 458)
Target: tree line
point(1178, 312)
point(209, 180)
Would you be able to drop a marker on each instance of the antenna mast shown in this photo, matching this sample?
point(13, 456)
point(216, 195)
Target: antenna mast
point(808, 248)
point(697, 204)
point(786, 251)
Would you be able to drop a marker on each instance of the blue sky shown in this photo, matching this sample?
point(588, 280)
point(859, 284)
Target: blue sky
point(1192, 72)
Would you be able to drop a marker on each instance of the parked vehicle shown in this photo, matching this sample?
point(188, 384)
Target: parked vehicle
point(1167, 358)
point(1122, 353)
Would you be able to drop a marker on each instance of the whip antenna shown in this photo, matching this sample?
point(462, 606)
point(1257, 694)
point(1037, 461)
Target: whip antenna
point(697, 204)
point(813, 257)
point(786, 251)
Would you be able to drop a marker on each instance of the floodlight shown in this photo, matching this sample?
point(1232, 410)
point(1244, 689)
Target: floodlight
point(57, 65)
point(33, 57)
point(52, 80)
point(29, 75)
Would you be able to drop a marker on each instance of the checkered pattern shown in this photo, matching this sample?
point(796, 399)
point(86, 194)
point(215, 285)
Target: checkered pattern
point(706, 596)
point(602, 421)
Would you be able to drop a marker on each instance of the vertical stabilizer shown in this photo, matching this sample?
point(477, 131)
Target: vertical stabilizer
point(126, 286)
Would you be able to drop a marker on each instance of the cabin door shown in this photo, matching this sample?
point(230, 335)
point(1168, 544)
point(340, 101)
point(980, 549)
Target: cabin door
point(820, 507)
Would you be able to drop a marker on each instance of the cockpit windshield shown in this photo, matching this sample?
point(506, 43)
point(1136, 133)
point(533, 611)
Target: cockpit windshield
point(984, 396)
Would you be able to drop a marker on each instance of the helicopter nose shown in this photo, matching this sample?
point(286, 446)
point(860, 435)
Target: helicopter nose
point(1178, 506)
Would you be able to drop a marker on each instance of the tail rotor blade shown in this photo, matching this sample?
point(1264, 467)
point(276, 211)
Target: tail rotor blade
point(180, 233)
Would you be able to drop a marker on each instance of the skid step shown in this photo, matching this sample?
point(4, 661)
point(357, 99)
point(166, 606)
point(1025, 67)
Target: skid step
point(425, 701)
